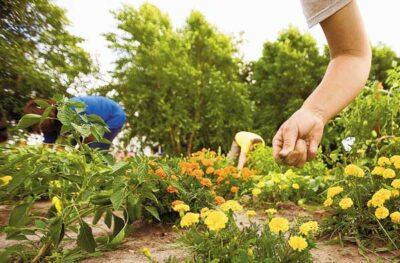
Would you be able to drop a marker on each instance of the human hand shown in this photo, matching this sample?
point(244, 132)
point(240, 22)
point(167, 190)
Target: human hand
point(298, 138)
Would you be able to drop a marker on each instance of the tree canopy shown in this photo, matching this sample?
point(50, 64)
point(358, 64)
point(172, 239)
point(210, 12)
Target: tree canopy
point(39, 57)
point(181, 88)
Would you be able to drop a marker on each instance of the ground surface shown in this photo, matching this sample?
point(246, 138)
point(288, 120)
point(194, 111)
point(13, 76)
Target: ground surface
point(161, 240)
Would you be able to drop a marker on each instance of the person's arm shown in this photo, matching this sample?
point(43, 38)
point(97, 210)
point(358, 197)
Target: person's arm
point(345, 77)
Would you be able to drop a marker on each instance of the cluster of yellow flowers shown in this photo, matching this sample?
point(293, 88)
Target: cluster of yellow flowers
point(354, 170)
point(231, 205)
point(344, 203)
point(381, 196)
point(215, 220)
point(279, 225)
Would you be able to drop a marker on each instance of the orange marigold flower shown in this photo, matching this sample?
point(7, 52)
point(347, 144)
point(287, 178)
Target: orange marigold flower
point(219, 200)
point(177, 202)
point(210, 170)
point(220, 179)
point(172, 190)
point(161, 173)
point(246, 173)
point(198, 173)
point(205, 182)
point(207, 162)
point(234, 189)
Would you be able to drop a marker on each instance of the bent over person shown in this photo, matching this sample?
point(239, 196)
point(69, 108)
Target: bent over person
point(242, 144)
point(110, 111)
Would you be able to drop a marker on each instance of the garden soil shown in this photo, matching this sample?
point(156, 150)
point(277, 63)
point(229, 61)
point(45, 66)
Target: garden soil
point(162, 241)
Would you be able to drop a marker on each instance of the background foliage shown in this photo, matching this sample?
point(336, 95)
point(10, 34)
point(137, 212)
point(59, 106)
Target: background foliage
point(38, 56)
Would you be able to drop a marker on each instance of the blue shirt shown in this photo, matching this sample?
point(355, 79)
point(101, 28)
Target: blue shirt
point(110, 111)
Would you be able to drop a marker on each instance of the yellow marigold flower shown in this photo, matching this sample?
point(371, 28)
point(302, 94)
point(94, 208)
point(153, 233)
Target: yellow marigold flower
point(204, 212)
point(256, 191)
point(57, 204)
point(251, 213)
point(146, 252)
point(346, 203)
point(395, 217)
point(260, 184)
point(231, 205)
point(395, 158)
point(395, 193)
point(5, 179)
point(381, 212)
point(378, 170)
point(354, 170)
point(397, 164)
point(388, 173)
point(306, 228)
point(333, 191)
point(296, 186)
point(298, 243)
point(189, 219)
point(278, 224)
point(271, 211)
point(383, 161)
point(379, 198)
point(328, 202)
point(216, 220)
point(396, 183)
point(376, 202)
point(181, 208)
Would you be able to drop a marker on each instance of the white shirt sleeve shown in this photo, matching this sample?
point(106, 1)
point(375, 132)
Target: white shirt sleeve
point(317, 11)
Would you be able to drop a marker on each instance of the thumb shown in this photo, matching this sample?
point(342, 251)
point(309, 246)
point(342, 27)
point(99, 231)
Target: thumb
point(289, 134)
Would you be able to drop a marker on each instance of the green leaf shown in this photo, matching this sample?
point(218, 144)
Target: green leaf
point(108, 218)
point(119, 237)
point(97, 216)
point(85, 238)
point(46, 113)
point(153, 211)
point(119, 224)
point(117, 198)
point(149, 195)
point(18, 216)
point(42, 103)
point(28, 120)
point(57, 231)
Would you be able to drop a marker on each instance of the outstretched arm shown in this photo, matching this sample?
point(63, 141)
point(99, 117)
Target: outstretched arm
point(345, 77)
